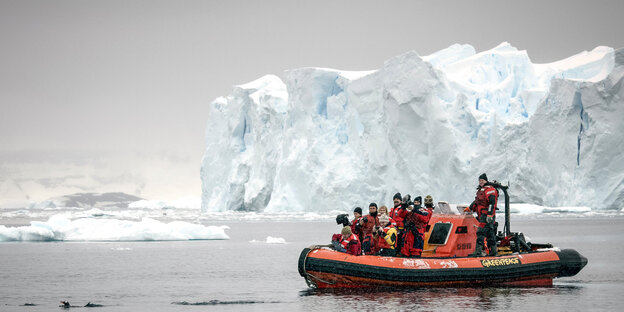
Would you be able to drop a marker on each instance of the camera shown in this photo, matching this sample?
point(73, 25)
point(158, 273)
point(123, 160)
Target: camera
point(407, 201)
point(358, 228)
point(342, 219)
point(379, 231)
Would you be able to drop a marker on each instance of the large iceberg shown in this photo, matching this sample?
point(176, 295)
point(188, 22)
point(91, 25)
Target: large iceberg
point(324, 139)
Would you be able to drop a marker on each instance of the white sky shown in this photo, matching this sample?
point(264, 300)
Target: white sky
point(132, 80)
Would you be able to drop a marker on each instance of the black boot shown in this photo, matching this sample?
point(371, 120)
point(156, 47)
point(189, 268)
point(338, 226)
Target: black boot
point(493, 251)
point(478, 252)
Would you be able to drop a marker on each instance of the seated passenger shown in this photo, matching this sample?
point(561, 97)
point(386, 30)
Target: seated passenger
point(386, 237)
point(383, 210)
point(347, 242)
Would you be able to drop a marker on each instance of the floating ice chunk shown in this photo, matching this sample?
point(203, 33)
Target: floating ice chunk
point(537, 209)
point(181, 203)
point(60, 228)
point(525, 208)
point(271, 240)
point(148, 204)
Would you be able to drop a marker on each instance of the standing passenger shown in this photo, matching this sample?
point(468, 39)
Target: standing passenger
point(485, 207)
point(355, 224)
point(415, 224)
point(368, 223)
point(398, 213)
point(429, 204)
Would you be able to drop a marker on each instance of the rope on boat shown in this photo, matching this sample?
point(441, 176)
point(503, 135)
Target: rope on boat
point(310, 283)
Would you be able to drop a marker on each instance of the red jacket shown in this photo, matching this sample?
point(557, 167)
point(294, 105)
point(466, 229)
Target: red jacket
point(356, 229)
point(352, 245)
point(398, 214)
point(486, 196)
point(367, 227)
point(419, 221)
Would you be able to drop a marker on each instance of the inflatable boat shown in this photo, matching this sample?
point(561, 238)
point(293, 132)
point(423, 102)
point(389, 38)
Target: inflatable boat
point(449, 239)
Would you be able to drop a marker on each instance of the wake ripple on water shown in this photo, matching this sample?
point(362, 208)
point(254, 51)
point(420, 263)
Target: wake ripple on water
point(220, 302)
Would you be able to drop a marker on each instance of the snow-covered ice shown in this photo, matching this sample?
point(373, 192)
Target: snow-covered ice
point(271, 240)
point(61, 228)
point(182, 203)
point(325, 139)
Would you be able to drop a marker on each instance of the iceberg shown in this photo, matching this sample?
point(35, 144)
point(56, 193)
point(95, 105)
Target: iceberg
point(324, 139)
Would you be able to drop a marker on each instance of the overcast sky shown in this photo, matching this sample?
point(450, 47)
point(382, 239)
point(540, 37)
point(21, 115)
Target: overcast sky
point(82, 78)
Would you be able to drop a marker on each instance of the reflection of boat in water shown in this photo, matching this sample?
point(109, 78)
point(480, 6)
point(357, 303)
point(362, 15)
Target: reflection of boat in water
point(449, 239)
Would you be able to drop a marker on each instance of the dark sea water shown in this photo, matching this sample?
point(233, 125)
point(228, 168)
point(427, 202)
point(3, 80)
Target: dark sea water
point(244, 273)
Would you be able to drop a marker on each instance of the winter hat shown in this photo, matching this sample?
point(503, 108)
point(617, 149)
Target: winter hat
point(428, 199)
point(483, 176)
point(397, 196)
point(372, 205)
point(346, 231)
point(418, 199)
point(358, 210)
point(383, 219)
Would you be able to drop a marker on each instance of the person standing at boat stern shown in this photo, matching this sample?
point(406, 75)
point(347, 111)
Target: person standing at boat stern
point(368, 223)
point(485, 207)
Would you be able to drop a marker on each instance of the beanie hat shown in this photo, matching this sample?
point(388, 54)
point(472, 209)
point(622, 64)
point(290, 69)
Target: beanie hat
point(373, 205)
point(428, 199)
point(358, 210)
point(397, 196)
point(483, 176)
point(346, 231)
point(383, 219)
point(418, 199)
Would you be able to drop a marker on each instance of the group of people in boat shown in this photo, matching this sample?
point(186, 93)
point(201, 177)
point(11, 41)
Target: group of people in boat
point(400, 231)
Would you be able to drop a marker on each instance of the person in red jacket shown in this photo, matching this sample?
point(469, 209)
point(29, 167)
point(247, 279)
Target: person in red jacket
point(347, 242)
point(368, 223)
point(398, 213)
point(386, 236)
point(429, 204)
point(383, 210)
point(355, 224)
point(485, 207)
point(415, 223)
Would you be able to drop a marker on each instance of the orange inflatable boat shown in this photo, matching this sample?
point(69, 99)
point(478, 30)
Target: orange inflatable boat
point(449, 238)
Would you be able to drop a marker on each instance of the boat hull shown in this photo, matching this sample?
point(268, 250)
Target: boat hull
point(323, 268)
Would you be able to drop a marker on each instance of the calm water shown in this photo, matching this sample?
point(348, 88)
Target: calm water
point(237, 274)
